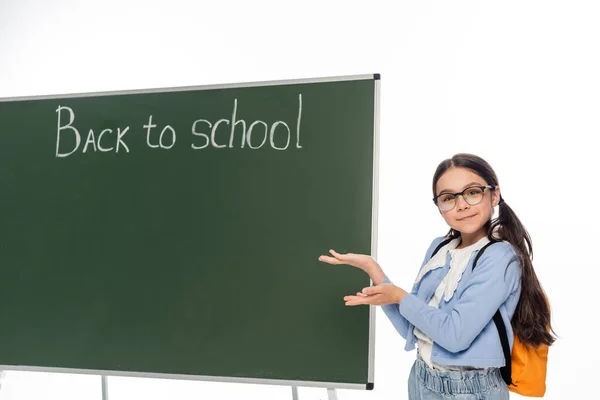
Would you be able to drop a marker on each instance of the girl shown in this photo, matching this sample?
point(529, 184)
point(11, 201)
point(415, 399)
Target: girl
point(448, 313)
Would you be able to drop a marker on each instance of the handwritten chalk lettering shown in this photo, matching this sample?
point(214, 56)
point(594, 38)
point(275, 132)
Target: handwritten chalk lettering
point(88, 141)
point(91, 137)
point(120, 135)
point(249, 138)
point(234, 124)
point(148, 128)
point(289, 133)
point(65, 127)
point(161, 138)
point(103, 149)
point(203, 135)
point(298, 146)
point(173, 137)
point(212, 133)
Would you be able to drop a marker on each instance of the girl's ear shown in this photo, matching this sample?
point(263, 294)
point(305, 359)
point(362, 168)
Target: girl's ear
point(496, 196)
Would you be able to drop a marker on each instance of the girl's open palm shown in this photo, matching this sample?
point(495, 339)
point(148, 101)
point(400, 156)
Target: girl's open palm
point(361, 261)
point(377, 295)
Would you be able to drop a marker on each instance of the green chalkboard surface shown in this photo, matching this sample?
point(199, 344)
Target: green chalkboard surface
point(176, 232)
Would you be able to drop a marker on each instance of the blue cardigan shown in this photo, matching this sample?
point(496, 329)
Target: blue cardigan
point(462, 329)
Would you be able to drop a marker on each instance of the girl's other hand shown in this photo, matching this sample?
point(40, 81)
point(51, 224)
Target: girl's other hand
point(361, 261)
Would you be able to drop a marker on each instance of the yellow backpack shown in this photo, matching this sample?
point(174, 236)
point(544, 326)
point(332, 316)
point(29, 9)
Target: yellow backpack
point(528, 376)
point(525, 374)
point(525, 368)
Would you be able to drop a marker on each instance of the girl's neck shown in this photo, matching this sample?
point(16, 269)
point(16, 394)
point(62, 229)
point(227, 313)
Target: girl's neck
point(467, 239)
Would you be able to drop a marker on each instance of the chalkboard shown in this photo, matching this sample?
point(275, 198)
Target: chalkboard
point(176, 232)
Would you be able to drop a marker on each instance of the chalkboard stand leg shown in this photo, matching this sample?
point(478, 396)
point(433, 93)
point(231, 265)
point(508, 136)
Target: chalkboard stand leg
point(104, 388)
point(331, 394)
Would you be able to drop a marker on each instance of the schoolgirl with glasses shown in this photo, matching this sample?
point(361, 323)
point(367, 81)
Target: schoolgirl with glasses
point(460, 303)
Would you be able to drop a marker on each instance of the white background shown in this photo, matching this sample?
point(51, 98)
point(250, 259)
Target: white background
point(516, 82)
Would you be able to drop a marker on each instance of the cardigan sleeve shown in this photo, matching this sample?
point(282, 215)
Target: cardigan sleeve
point(495, 277)
point(392, 311)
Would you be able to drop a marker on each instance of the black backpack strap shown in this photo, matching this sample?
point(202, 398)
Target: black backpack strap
point(444, 242)
point(505, 371)
point(480, 252)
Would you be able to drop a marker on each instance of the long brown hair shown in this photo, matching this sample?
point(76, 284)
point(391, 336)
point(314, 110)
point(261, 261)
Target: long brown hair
point(531, 321)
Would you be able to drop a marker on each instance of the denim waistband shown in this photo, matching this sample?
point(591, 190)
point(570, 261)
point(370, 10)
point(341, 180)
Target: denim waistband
point(458, 382)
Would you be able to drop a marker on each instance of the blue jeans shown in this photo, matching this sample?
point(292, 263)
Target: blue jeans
point(425, 383)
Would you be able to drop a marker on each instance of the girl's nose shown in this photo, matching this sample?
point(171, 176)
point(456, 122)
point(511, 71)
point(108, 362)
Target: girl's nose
point(461, 203)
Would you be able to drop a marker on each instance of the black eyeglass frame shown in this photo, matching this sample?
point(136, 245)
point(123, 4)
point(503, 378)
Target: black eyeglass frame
point(462, 193)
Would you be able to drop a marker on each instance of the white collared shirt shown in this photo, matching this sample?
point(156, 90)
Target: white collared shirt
point(459, 260)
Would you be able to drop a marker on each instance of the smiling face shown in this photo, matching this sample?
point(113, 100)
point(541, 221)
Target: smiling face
point(466, 218)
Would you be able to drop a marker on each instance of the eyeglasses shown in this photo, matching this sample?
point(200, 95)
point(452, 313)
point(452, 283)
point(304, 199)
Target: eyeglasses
point(472, 195)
